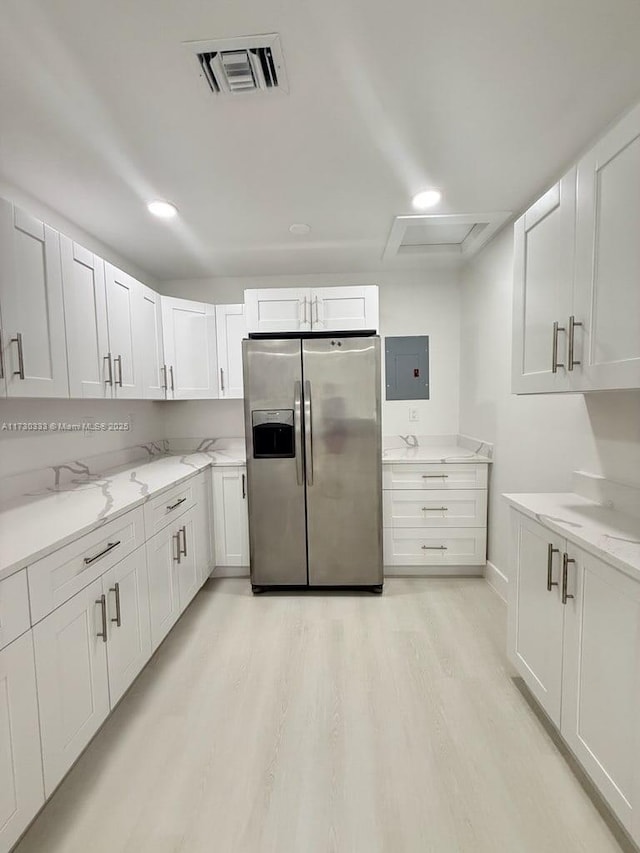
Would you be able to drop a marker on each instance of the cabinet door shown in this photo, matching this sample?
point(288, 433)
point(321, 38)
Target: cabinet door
point(35, 350)
point(71, 669)
point(187, 567)
point(231, 521)
point(342, 308)
point(543, 281)
point(21, 787)
point(285, 309)
point(231, 330)
point(164, 596)
point(126, 588)
point(124, 308)
point(607, 290)
point(189, 332)
point(601, 682)
point(203, 523)
point(154, 379)
point(536, 614)
point(85, 308)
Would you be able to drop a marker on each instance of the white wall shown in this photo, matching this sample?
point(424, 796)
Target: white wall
point(411, 303)
point(539, 439)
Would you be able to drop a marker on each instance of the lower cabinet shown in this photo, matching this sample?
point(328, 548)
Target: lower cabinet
point(231, 516)
point(574, 637)
point(21, 786)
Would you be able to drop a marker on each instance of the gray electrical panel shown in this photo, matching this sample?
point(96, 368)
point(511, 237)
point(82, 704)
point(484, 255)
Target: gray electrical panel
point(407, 368)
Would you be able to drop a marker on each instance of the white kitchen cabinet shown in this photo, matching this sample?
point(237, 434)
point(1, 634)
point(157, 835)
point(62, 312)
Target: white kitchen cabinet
point(164, 595)
point(203, 522)
point(21, 783)
point(231, 329)
point(607, 280)
point(187, 567)
point(33, 345)
point(231, 518)
point(536, 613)
point(601, 680)
point(73, 687)
point(126, 588)
point(124, 307)
point(189, 333)
point(312, 309)
point(543, 285)
point(154, 379)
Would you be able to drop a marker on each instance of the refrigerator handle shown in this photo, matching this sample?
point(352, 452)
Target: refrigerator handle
point(297, 425)
point(308, 438)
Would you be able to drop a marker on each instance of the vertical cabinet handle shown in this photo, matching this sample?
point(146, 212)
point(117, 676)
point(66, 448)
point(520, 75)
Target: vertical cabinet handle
point(1, 357)
point(303, 306)
point(178, 554)
point(163, 371)
point(118, 618)
point(555, 364)
point(183, 530)
point(572, 334)
point(244, 486)
point(221, 380)
point(102, 601)
point(109, 379)
point(171, 375)
point(550, 552)
point(118, 360)
point(18, 340)
point(566, 559)
point(316, 303)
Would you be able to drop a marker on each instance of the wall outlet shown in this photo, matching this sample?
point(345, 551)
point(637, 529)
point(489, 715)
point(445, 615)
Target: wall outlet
point(413, 414)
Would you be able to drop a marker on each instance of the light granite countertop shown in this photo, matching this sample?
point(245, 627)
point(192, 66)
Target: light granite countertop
point(611, 535)
point(448, 454)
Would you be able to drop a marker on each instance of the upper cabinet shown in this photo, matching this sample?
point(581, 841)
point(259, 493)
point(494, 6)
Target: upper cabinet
point(231, 328)
point(576, 320)
point(33, 347)
point(124, 315)
point(312, 309)
point(189, 332)
point(154, 378)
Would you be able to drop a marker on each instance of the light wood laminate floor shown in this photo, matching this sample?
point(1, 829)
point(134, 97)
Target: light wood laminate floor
point(326, 724)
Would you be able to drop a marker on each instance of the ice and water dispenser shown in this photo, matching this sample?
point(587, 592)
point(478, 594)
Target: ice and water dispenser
point(273, 434)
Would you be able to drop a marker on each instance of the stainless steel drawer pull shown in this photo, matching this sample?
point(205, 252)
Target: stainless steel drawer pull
point(118, 618)
point(572, 335)
point(550, 552)
point(183, 530)
point(566, 559)
point(102, 601)
point(555, 364)
point(118, 360)
point(178, 554)
point(434, 547)
point(435, 476)
point(163, 370)
point(18, 340)
point(435, 508)
point(109, 379)
point(176, 504)
point(110, 547)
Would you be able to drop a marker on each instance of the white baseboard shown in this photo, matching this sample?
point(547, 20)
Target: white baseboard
point(433, 571)
point(497, 580)
point(230, 572)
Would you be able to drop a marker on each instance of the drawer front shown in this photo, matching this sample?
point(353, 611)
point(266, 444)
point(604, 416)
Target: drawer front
point(14, 607)
point(454, 508)
point(437, 546)
point(434, 476)
point(164, 508)
point(56, 578)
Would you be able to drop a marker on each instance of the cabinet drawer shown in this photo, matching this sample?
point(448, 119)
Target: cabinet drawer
point(14, 607)
point(434, 476)
point(54, 579)
point(164, 508)
point(439, 508)
point(435, 546)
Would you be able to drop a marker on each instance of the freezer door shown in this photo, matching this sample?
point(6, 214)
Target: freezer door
point(343, 460)
point(275, 480)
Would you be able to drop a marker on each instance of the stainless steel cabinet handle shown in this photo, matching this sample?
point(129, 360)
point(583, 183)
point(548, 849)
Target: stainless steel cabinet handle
point(303, 305)
point(316, 302)
point(308, 432)
point(18, 340)
point(297, 425)
point(555, 364)
point(183, 530)
point(110, 547)
point(550, 552)
point(118, 618)
point(102, 601)
point(572, 334)
point(221, 381)
point(163, 370)
point(566, 559)
point(435, 509)
point(171, 375)
point(118, 360)
point(1, 357)
point(435, 476)
point(178, 554)
point(244, 486)
point(434, 547)
point(176, 504)
point(109, 380)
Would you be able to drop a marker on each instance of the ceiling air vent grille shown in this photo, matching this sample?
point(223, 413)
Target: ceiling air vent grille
point(250, 64)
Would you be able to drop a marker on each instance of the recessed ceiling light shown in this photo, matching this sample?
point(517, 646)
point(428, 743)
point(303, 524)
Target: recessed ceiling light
point(163, 209)
point(426, 199)
point(299, 228)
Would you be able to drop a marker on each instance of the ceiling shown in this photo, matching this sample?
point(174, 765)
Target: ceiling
point(101, 109)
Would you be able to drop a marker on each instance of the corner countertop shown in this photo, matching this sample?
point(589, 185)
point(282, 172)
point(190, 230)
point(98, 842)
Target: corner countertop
point(611, 535)
point(449, 454)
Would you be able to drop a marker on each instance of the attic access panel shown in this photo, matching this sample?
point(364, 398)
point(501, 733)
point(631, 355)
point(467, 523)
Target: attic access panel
point(407, 367)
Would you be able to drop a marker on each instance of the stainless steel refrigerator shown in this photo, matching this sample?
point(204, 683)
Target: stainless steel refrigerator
point(314, 460)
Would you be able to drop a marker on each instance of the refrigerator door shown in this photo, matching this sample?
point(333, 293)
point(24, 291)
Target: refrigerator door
point(343, 460)
point(275, 480)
